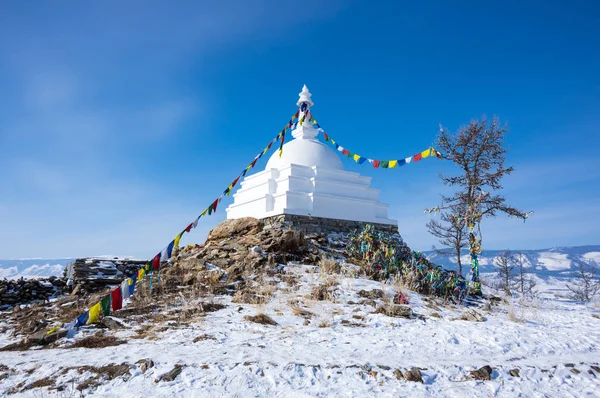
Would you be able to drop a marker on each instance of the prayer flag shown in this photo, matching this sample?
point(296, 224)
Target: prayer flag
point(326, 136)
point(140, 274)
point(125, 289)
point(376, 163)
point(417, 157)
point(131, 286)
point(188, 228)
point(401, 162)
point(361, 160)
point(204, 212)
point(195, 223)
point(296, 115)
point(393, 164)
point(356, 158)
point(170, 248)
point(340, 148)
point(214, 205)
point(105, 304)
point(164, 254)
point(385, 164)
point(333, 142)
point(178, 238)
point(269, 147)
point(345, 152)
point(155, 263)
point(94, 313)
point(426, 153)
point(408, 159)
point(116, 299)
point(82, 319)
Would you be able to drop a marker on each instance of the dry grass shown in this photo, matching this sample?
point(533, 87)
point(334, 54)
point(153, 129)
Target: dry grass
point(329, 266)
point(45, 382)
point(301, 312)
point(325, 323)
point(107, 372)
point(325, 290)
point(263, 319)
point(97, 341)
point(253, 294)
point(515, 315)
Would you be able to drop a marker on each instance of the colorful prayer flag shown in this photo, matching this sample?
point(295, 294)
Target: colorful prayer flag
point(356, 158)
point(116, 299)
point(376, 163)
point(385, 164)
point(345, 152)
point(105, 304)
point(417, 157)
point(426, 153)
point(393, 164)
point(125, 289)
point(155, 263)
point(82, 319)
point(94, 313)
point(178, 238)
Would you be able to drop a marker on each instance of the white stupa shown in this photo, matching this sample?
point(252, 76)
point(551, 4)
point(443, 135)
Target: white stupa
point(308, 180)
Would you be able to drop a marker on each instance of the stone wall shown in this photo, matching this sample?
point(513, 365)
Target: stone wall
point(23, 291)
point(320, 225)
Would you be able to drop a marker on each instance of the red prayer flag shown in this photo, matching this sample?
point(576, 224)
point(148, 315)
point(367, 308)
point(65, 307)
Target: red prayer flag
point(297, 114)
point(376, 163)
point(345, 152)
point(234, 182)
point(326, 136)
point(270, 144)
point(156, 262)
point(417, 157)
point(188, 228)
point(116, 299)
point(214, 205)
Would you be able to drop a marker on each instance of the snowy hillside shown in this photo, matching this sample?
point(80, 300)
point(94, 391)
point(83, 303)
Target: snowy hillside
point(342, 344)
point(555, 262)
point(32, 268)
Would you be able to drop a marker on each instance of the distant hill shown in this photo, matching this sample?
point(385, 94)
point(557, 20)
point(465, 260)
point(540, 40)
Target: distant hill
point(554, 262)
point(32, 268)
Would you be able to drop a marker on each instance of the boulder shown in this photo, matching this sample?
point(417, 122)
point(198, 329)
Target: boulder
point(514, 373)
point(371, 294)
point(239, 226)
point(483, 373)
point(472, 315)
point(414, 374)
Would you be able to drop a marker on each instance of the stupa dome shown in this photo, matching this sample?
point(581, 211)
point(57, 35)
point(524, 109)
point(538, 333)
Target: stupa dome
point(305, 152)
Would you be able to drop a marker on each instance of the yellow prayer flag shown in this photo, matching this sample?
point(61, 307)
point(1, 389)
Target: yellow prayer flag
point(204, 212)
point(356, 157)
point(393, 164)
point(177, 239)
point(140, 274)
point(425, 153)
point(94, 313)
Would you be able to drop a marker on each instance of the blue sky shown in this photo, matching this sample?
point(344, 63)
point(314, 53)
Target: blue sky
point(121, 122)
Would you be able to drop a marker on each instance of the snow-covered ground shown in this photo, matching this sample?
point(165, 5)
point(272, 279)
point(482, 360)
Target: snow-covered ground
point(335, 348)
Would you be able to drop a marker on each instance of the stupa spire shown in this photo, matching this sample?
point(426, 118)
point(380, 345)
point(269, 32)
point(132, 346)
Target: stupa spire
point(306, 130)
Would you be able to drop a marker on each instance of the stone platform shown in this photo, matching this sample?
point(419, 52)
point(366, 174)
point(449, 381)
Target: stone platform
point(321, 225)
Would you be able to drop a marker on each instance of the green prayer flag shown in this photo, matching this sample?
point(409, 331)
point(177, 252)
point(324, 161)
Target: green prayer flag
point(105, 304)
point(385, 164)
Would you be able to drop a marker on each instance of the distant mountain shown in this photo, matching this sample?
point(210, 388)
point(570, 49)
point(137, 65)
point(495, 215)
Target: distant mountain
point(32, 268)
point(555, 262)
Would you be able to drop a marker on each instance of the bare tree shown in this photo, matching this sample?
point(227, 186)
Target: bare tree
point(587, 285)
point(478, 151)
point(505, 266)
point(451, 233)
point(524, 282)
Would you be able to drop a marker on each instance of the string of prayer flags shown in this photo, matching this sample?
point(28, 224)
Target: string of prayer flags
point(384, 164)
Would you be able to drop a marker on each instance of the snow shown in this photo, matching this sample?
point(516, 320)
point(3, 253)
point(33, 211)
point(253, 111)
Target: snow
point(297, 360)
point(592, 257)
point(554, 261)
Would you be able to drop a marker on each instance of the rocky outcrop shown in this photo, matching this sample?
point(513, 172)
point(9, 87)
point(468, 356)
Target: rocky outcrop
point(22, 291)
point(320, 225)
point(93, 274)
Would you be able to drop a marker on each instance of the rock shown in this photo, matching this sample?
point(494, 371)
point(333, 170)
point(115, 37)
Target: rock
point(112, 323)
point(590, 371)
point(234, 227)
point(371, 294)
point(484, 373)
point(172, 375)
point(472, 315)
point(396, 310)
point(398, 374)
point(414, 374)
point(435, 315)
point(514, 373)
point(52, 337)
point(575, 371)
point(569, 365)
point(145, 364)
point(596, 368)
point(384, 367)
